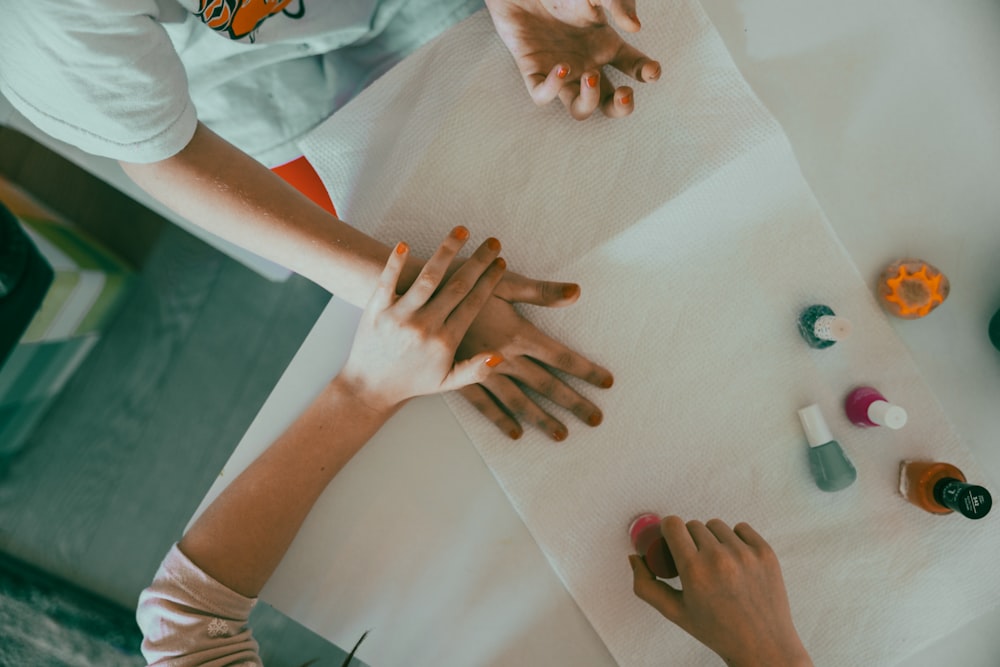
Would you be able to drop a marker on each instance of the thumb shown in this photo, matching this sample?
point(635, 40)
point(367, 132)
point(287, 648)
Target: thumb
point(662, 597)
point(471, 371)
point(623, 13)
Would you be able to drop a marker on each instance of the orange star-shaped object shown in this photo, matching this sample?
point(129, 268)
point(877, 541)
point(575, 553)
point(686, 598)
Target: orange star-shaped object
point(912, 288)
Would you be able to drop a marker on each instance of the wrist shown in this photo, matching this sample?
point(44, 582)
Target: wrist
point(353, 391)
point(793, 656)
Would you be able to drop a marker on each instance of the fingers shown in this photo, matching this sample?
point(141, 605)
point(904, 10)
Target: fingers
point(515, 287)
point(482, 401)
point(679, 540)
point(685, 541)
point(594, 91)
point(544, 88)
point(661, 596)
point(541, 380)
point(556, 355)
point(519, 405)
point(724, 534)
point(472, 303)
point(636, 64)
point(619, 103)
point(751, 537)
point(583, 98)
point(385, 289)
point(623, 13)
point(465, 286)
point(433, 272)
point(702, 536)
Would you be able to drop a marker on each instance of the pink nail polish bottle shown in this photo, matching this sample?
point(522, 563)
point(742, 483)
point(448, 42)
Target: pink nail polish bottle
point(867, 407)
point(648, 542)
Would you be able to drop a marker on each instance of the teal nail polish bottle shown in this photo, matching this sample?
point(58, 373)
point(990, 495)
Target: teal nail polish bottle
point(821, 327)
point(830, 467)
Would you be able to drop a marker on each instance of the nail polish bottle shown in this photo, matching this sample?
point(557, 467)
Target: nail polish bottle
point(648, 542)
point(820, 326)
point(867, 407)
point(830, 467)
point(940, 488)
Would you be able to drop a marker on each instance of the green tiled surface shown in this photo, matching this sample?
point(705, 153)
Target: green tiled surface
point(31, 379)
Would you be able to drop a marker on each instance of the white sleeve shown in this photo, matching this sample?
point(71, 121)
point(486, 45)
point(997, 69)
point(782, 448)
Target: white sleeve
point(99, 74)
point(188, 618)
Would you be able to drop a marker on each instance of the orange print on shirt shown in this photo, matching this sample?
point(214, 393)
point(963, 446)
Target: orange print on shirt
point(239, 18)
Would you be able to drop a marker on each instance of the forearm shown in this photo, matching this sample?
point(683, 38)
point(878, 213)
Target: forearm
point(218, 187)
point(241, 538)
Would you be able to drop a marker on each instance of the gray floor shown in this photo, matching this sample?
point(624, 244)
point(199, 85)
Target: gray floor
point(113, 474)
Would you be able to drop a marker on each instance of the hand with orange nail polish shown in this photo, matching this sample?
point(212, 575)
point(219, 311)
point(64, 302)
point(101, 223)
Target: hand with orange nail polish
point(406, 343)
point(532, 360)
point(560, 47)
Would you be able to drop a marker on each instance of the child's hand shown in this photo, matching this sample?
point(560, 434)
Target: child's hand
point(733, 598)
point(560, 47)
point(405, 344)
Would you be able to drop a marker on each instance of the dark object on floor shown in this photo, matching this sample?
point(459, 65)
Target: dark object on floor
point(25, 278)
point(995, 330)
point(46, 621)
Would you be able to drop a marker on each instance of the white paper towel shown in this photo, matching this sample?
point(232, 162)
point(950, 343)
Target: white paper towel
point(697, 243)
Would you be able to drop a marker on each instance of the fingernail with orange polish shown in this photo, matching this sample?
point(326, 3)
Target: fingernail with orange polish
point(625, 100)
point(494, 360)
point(560, 434)
point(401, 247)
point(592, 81)
point(635, 18)
point(595, 419)
point(562, 72)
point(570, 290)
point(514, 433)
point(607, 382)
point(493, 244)
point(460, 233)
point(501, 262)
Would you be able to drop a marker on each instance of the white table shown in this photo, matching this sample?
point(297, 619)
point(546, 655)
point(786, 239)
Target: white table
point(893, 109)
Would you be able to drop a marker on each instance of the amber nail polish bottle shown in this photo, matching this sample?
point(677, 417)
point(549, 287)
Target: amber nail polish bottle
point(940, 488)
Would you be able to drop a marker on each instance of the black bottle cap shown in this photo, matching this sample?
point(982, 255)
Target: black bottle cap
point(13, 252)
point(995, 330)
point(967, 499)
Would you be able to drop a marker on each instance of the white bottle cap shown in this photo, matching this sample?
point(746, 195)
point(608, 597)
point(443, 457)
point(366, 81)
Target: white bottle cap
point(817, 432)
point(886, 414)
point(831, 327)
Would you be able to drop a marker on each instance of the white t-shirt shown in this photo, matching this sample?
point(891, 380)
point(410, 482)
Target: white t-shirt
point(129, 79)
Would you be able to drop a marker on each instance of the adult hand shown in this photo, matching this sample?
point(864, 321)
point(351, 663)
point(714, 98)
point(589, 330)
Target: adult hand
point(406, 343)
point(561, 47)
point(733, 598)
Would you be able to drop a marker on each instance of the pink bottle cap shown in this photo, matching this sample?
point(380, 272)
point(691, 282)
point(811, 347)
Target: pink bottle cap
point(654, 549)
point(639, 524)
